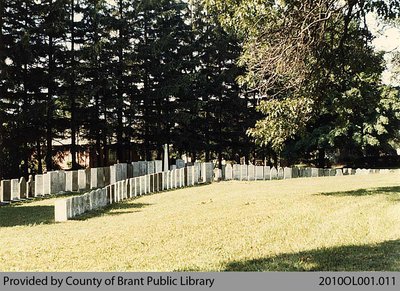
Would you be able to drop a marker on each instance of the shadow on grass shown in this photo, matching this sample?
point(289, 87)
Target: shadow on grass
point(24, 214)
point(14, 215)
point(380, 257)
point(393, 192)
point(113, 210)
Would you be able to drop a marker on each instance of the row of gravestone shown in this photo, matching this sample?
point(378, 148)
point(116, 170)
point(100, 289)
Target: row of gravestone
point(254, 173)
point(190, 175)
point(56, 182)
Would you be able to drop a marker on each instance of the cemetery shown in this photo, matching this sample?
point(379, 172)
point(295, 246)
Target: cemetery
point(335, 222)
point(202, 135)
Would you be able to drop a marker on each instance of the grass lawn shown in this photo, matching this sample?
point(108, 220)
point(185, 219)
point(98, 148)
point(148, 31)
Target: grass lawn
point(333, 223)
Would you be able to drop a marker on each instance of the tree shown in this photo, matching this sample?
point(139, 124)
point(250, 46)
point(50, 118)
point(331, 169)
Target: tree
point(304, 58)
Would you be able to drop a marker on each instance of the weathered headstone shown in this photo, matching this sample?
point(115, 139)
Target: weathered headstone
point(38, 185)
point(251, 172)
point(129, 168)
point(273, 173)
point(315, 172)
point(243, 173)
point(207, 172)
point(166, 158)
point(197, 172)
point(22, 188)
point(142, 168)
point(217, 174)
point(228, 172)
point(15, 189)
point(132, 186)
point(158, 166)
point(62, 209)
point(267, 173)
point(339, 172)
point(135, 169)
point(96, 178)
point(259, 175)
point(287, 173)
point(5, 190)
point(180, 164)
point(280, 173)
point(30, 187)
point(152, 183)
point(82, 179)
point(71, 183)
point(190, 175)
point(151, 167)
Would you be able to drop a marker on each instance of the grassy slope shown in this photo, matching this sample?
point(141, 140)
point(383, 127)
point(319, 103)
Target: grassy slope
point(333, 223)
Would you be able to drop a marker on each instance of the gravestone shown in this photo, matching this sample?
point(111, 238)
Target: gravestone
point(183, 177)
point(47, 182)
point(62, 209)
point(142, 168)
point(273, 173)
point(96, 178)
point(251, 172)
point(143, 187)
point(339, 172)
point(243, 173)
point(180, 163)
point(267, 173)
point(152, 183)
point(137, 186)
point(165, 158)
point(287, 173)
point(121, 171)
point(135, 169)
point(236, 169)
point(148, 183)
point(190, 175)
point(22, 188)
point(174, 177)
point(160, 181)
point(82, 179)
point(129, 168)
point(207, 172)
point(197, 170)
point(38, 185)
point(280, 173)
point(165, 177)
point(217, 174)
point(132, 186)
point(15, 189)
point(71, 181)
point(150, 167)
point(30, 187)
point(315, 172)
point(228, 172)
point(172, 167)
point(158, 166)
point(5, 190)
point(259, 175)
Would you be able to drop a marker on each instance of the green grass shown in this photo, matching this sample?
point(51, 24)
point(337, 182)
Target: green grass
point(349, 223)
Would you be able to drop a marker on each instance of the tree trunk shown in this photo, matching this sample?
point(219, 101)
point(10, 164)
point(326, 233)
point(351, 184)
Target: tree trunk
point(120, 149)
point(49, 113)
point(73, 91)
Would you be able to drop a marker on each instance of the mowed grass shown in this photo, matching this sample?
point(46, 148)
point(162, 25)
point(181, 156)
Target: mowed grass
point(333, 223)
